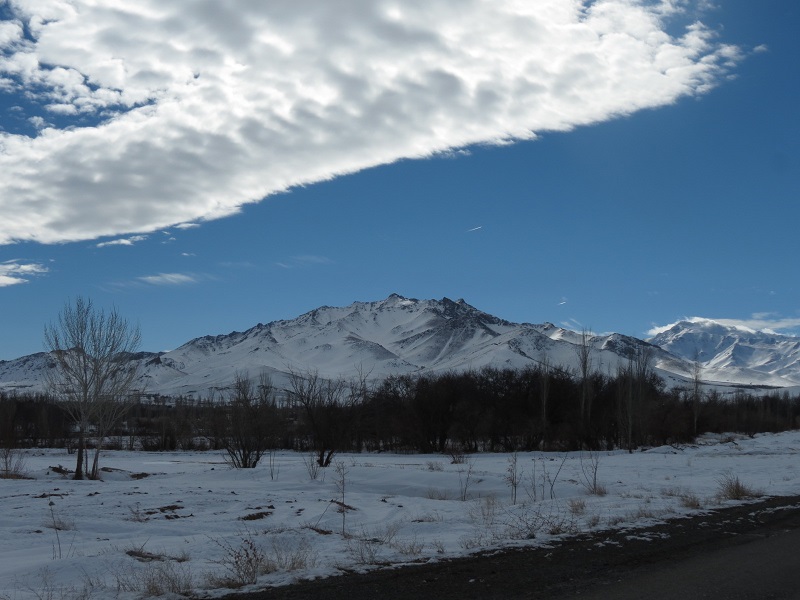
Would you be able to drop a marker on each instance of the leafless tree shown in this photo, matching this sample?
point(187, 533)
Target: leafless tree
point(697, 389)
point(329, 407)
point(584, 351)
point(94, 373)
point(251, 421)
point(544, 391)
point(632, 406)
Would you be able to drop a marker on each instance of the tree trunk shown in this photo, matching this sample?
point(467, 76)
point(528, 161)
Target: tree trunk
point(93, 474)
point(81, 450)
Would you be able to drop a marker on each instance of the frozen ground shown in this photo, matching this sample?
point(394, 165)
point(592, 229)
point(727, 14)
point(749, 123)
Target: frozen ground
point(173, 522)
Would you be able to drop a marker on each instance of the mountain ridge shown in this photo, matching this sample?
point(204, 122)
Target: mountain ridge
point(408, 336)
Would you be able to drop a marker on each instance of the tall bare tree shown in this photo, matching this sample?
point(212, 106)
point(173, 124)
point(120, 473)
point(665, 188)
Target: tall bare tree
point(583, 349)
point(544, 392)
point(330, 408)
point(251, 421)
point(697, 389)
point(94, 373)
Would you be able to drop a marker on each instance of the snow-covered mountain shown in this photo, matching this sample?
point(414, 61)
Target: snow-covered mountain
point(737, 354)
point(393, 336)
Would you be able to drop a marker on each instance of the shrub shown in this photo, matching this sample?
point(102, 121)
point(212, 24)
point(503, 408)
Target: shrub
point(156, 579)
point(12, 464)
point(730, 487)
point(243, 563)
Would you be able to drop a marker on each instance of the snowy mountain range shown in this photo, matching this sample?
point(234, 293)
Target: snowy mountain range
point(407, 336)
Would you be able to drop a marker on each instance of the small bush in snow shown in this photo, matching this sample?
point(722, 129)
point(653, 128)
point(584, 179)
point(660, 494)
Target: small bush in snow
point(243, 563)
point(156, 579)
point(12, 464)
point(730, 487)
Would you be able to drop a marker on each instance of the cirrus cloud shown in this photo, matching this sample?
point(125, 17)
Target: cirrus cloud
point(198, 107)
point(168, 279)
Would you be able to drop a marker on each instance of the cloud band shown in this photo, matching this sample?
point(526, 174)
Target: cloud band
point(196, 108)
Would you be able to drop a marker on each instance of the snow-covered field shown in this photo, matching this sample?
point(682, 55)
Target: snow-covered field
point(170, 522)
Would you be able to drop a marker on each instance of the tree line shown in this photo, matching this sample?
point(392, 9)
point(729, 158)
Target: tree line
point(91, 404)
point(542, 408)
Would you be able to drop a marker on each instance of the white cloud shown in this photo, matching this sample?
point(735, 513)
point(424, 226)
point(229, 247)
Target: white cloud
point(205, 106)
point(13, 272)
point(311, 259)
point(168, 279)
point(304, 260)
point(766, 322)
point(130, 241)
point(38, 122)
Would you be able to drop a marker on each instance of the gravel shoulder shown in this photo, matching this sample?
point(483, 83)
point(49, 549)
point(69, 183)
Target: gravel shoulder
point(578, 565)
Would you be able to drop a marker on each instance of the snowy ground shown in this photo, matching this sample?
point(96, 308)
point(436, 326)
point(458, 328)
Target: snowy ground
point(162, 522)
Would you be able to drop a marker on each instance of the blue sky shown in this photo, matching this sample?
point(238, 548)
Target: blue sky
point(204, 170)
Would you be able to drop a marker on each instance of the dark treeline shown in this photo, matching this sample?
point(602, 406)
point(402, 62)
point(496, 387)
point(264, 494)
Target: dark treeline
point(542, 408)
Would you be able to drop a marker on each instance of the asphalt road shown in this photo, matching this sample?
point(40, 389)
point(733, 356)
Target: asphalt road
point(749, 551)
point(759, 566)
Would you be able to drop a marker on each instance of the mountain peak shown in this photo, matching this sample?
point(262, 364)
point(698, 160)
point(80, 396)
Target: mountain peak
point(406, 336)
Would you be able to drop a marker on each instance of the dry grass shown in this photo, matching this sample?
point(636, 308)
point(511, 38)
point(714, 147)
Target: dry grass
point(730, 487)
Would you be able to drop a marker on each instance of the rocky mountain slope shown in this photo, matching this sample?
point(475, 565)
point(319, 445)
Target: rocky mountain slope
point(734, 353)
point(407, 336)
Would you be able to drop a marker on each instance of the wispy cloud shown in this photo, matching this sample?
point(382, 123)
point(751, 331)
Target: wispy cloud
point(305, 260)
point(13, 272)
point(203, 107)
point(168, 279)
point(764, 321)
point(129, 241)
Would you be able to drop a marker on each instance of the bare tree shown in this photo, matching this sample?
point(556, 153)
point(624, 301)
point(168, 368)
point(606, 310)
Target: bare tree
point(584, 351)
point(251, 421)
point(329, 406)
point(94, 373)
point(634, 382)
point(697, 389)
point(544, 391)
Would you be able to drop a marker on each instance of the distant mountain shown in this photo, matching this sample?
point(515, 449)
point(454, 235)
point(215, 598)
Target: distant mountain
point(734, 354)
point(407, 336)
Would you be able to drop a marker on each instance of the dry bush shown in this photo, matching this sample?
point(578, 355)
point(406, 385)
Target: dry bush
point(313, 468)
point(730, 487)
point(140, 554)
point(12, 464)
point(156, 579)
point(242, 564)
point(411, 548)
point(289, 555)
point(245, 562)
point(365, 548)
point(588, 474)
point(687, 498)
point(577, 506)
point(58, 522)
point(690, 500)
point(457, 455)
point(437, 494)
